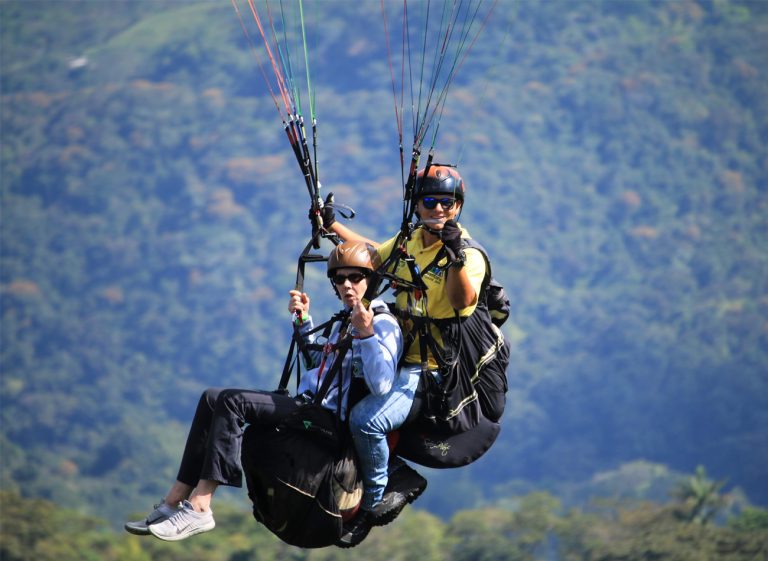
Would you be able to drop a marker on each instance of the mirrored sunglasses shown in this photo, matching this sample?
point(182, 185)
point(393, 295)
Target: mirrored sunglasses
point(430, 203)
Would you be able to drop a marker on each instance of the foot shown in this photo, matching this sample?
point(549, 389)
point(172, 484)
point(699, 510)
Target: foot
point(356, 530)
point(185, 522)
point(405, 486)
point(160, 513)
point(406, 480)
point(388, 509)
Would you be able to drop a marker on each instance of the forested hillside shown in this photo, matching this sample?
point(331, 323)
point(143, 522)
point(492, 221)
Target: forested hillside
point(36, 530)
point(152, 213)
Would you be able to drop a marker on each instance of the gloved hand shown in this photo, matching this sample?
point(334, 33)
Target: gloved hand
point(326, 213)
point(329, 217)
point(451, 236)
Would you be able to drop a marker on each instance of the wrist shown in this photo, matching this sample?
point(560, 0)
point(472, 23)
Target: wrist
point(328, 218)
point(459, 260)
point(364, 333)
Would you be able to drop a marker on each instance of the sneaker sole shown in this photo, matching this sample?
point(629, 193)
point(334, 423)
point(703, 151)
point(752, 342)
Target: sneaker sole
point(185, 535)
point(136, 531)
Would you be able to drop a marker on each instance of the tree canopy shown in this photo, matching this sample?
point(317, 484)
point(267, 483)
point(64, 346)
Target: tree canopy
point(614, 156)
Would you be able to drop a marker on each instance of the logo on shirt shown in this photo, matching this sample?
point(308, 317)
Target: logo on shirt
point(435, 274)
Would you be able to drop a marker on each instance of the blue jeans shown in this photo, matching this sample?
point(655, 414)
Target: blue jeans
point(370, 421)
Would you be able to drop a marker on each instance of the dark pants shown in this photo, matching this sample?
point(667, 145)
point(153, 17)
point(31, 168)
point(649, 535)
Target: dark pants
point(213, 445)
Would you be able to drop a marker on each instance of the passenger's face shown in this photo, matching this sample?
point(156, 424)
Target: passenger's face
point(351, 284)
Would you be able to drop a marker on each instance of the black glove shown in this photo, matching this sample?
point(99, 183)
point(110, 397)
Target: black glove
point(327, 214)
point(451, 236)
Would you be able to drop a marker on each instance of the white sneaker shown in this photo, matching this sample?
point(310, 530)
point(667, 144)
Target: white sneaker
point(184, 522)
point(161, 513)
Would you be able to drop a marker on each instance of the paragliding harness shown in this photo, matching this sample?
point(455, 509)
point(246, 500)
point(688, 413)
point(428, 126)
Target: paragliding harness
point(301, 475)
point(470, 381)
point(455, 417)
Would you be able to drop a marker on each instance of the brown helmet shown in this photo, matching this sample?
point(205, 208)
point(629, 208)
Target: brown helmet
point(359, 255)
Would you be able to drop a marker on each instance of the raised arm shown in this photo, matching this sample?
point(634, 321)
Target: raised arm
point(379, 344)
point(345, 233)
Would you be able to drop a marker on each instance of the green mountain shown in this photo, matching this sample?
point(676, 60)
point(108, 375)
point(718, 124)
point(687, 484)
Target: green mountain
point(152, 215)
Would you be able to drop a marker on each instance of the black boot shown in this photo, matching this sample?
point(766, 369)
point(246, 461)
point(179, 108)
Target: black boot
point(356, 530)
point(404, 486)
point(388, 509)
point(406, 480)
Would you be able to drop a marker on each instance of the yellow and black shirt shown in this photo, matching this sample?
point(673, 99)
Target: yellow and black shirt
point(435, 303)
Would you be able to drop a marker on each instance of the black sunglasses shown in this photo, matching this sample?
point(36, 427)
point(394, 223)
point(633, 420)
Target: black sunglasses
point(354, 278)
point(430, 203)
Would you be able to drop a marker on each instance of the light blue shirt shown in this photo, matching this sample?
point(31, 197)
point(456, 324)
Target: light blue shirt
point(374, 359)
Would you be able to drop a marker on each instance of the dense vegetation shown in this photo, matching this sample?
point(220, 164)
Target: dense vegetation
point(151, 216)
point(539, 528)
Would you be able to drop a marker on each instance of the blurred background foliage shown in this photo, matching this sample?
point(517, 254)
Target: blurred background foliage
point(539, 527)
point(152, 214)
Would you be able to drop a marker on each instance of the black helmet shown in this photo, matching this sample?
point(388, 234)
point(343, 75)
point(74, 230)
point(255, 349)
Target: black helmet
point(439, 180)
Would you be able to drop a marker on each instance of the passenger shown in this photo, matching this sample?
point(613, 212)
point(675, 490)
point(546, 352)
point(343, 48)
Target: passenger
point(211, 455)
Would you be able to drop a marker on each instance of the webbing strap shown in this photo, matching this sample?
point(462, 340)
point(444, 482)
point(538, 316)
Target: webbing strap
point(343, 344)
point(298, 343)
point(286, 375)
point(308, 257)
